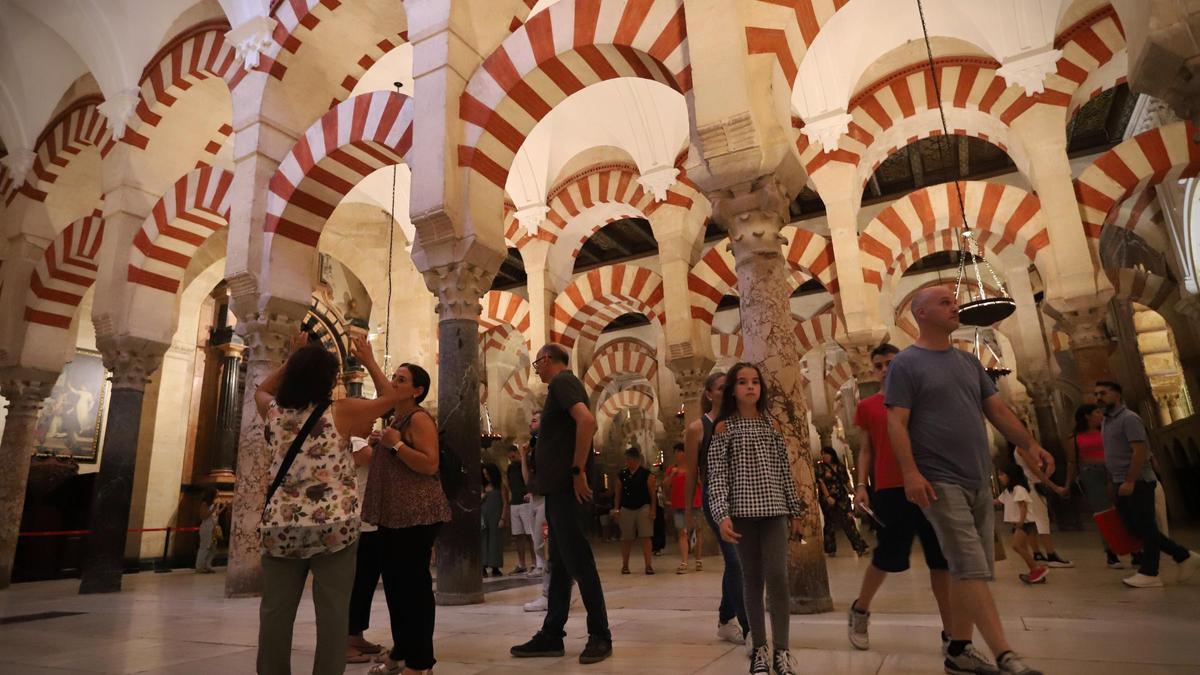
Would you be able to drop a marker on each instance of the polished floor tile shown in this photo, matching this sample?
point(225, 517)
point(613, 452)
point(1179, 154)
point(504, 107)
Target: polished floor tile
point(1081, 622)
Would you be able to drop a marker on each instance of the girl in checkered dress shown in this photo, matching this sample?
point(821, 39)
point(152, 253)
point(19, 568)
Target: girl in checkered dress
point(755, 502)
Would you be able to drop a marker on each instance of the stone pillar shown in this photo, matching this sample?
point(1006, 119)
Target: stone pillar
point(131, 361)
point(25, 396)
point(690, 379)
point(1089, 344)
point(223, 461)
point(754, 221)
point(266, 328)
point(353, 381)
point(459, 286)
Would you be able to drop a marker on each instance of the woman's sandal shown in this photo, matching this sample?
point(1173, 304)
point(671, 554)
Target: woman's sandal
point(365, 646)
point(388, 667)
point(356, 656)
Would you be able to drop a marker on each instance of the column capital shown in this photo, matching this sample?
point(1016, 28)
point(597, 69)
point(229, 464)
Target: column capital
point(24, 393)
point(754, 219)
point(131, 360)
point(251, 39)
point(232, 349)
point(459, 287)
point(1085, 327)
point(1040, 390)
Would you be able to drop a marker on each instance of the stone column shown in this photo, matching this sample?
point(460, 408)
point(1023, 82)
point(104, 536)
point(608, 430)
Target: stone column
point(689, 377)
point(353, 381)
point(459, 286)
point(1089, 344)
point(266, 333)
point(754, 221)
point(222, 462)
point(131, 361)
point(25, 396)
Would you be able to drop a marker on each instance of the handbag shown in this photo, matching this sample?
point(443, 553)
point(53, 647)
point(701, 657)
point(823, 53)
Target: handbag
point(293, 450)
point(451, 472)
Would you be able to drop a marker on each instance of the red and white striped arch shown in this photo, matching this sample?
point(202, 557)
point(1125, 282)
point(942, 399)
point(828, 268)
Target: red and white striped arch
point(194, 55)
point(516, 387)
point(942, 241)
point(989, 359)
point(374, 52)
point(713, 277)
point(726, 345)
point(8, 186)
point(623, 356)
point(837, 375)
point(64, 273)
point(1010, 215)
point(497, 338)
point(561, 50)
point(1142, 215)
point(504, 308)
point(784, 29)
point(1151, 157)
point(297, 20)
point(904, 318)
point(179, 223)
point(365, 133)
point(820, 329)
point(594, 299)
point(1093, 55)
point(1143, 287)
point(72, 131)
point(624, 400)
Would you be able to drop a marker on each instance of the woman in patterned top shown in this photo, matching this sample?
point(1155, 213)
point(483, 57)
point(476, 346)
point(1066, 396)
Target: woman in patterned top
point(754, 500)
point(835, 503)
point(311, 522)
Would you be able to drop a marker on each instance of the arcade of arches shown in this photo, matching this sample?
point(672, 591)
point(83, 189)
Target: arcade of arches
point(463, 181)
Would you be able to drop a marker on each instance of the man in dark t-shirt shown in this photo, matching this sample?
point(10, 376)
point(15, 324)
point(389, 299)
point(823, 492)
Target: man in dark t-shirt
point(563, 448)
point(520, 515)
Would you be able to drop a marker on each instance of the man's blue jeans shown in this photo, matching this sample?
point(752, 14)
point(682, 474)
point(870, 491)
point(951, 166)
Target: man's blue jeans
point(732, 602)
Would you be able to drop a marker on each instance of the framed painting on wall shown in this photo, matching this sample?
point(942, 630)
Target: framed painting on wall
point(70, 421)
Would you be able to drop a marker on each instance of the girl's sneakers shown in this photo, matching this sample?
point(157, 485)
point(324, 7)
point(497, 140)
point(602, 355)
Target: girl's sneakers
point(760, 661)
point(1036, 576)
point(784, 663)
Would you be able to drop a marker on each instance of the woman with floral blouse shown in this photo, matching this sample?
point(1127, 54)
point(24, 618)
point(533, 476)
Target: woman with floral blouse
point(310, 523)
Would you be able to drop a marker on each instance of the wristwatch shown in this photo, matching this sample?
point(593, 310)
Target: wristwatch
point(575, 471)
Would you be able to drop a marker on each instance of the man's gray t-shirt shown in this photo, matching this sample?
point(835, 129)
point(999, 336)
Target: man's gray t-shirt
point(944, 390)
point(1121, 428)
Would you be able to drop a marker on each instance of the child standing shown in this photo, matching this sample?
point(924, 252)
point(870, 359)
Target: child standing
point(754, 500)
point(1014, 495)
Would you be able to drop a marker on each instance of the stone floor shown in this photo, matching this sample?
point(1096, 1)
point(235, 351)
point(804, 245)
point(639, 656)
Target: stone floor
point(1083, 621)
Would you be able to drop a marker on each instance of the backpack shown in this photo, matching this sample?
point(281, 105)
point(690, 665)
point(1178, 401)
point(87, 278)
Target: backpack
point(451, 471)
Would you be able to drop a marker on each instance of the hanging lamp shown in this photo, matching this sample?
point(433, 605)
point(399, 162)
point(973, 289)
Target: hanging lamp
point(994, 372)
point(980, 308)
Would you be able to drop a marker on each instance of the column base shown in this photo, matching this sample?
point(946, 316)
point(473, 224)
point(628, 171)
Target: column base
point(445, 599)
point(814, 605)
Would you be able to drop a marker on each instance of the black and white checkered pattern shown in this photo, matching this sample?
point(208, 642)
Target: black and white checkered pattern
point(748, 472)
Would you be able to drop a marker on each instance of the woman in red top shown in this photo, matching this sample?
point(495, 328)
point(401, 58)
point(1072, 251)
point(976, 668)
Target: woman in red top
point(1086, 464)
point(675, 479)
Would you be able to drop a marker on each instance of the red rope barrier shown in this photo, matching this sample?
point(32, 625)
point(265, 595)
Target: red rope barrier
point(71, 533)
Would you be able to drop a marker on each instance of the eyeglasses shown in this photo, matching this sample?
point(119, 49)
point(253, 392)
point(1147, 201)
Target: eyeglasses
point(538, 361)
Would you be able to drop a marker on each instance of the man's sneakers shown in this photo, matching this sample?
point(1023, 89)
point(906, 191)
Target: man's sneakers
point(730, 631)
point(1055, 560)
point(1188, 567)
point(519, 569)
point(534, 573)
point(760, 661)
point(783, 662)
point(1038, 557)
point(969, 662)
point(1037, 576)
point(856, 629)
point(1011, 663)
point(1140, 580)
point(597, 650)
point(541, 645)
point(538, 605)
point(1114, 562)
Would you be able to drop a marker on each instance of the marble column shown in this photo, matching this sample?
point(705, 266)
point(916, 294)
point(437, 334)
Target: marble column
point(222, 462)
point(266, 334)
point(131, 361)
point(353, 381)
point(459, 287)
point(754, 221)
point(25, 397)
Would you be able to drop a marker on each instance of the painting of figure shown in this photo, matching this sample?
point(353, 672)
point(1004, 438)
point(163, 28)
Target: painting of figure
point(69, 423)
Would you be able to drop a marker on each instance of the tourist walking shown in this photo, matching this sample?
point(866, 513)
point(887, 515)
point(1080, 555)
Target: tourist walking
point(310, 518)
point(835, 503)
point(1085, 467)
point(696, 441)
point(935, 395)
point(1014, 495)
point(634, 508)
point(1127, 456)
point(538, 509)
point(404, 498)
point(1040, 484)
point(897, 520)
point(755, 503)
point(210, 531)
point(491, 510)
point(690, 539)
point(520, 510)
point(564, 443)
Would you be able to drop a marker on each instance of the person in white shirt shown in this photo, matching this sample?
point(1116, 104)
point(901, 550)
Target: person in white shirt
point(1016, 498)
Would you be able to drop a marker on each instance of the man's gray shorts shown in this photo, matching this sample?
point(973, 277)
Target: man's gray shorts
point(965, 522)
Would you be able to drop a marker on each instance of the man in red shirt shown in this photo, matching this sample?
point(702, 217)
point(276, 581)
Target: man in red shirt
point(897, 519)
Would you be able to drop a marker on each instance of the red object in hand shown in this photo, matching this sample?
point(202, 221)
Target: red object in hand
point(1119, 540)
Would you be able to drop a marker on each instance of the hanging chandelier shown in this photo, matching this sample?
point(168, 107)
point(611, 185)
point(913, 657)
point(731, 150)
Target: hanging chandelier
point(979, 308)
point(995, 371)
point(489, 434)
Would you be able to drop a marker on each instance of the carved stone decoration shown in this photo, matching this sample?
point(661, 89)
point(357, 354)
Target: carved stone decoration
point(1029, 70)
point(1149, 113)
point(531, 217)
point(828, 129)
point(25, 397)
point(750, 218)
point(18, 161)
point(131, 361)
point(251, 39)
point(1086, 328)
point(658, 181)
point(459, 287)
point(118, 110)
